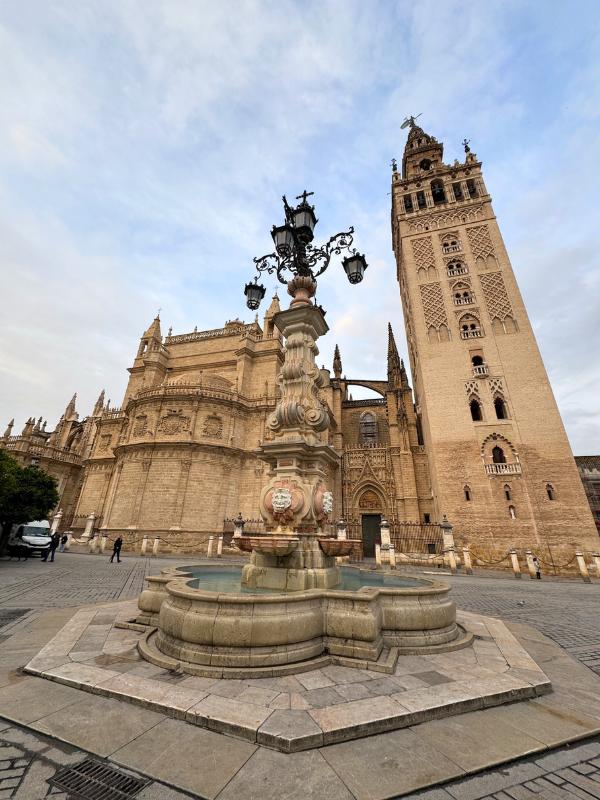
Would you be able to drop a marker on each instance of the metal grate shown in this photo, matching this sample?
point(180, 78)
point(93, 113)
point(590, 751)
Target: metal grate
point(95, 780)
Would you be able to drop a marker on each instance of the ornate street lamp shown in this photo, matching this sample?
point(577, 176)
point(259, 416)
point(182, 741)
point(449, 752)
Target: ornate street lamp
point(296, 257)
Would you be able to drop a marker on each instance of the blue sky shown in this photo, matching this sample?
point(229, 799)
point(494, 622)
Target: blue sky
point(144, 148)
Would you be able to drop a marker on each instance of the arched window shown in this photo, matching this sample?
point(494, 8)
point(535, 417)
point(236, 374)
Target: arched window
point(512, 513)
point(456, 268)
point(475, 407)
point(477, 361)
point(500, 407)
point(437, 192)
point(507, 492)
point(498, 456)
point(550, 491)
point(451, 244)
point(467, 491)
point(368, 428)
point(469, 327)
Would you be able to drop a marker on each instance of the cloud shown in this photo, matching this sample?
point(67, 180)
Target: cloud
point(144, 148)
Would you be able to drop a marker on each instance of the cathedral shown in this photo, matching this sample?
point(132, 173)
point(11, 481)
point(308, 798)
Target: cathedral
point(478, 437)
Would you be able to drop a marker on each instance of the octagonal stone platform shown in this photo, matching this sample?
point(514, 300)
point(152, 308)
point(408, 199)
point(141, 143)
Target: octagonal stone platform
point(321, 706)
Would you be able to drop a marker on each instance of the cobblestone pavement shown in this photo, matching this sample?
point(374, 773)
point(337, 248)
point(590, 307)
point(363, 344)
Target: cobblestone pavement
point(564, 610)
point(568, 773)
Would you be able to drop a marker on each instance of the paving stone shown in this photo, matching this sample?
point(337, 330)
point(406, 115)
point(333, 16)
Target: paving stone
point(290, 731)
point(253, 694)
point(355, 691)
point(319, 698)
point(385, 765)
point(358, 718)
point(568, 756)
point(188, 757)
point(380, 686)
point(479, 786)
point(314, 680)
point(229, 715)
point(432, 678)
point(270, 775)
point(98, 724)
point(35, 698)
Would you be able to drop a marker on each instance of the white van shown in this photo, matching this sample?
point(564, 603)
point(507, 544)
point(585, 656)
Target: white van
point(30, 538)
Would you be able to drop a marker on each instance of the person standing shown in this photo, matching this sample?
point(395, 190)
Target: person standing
point(538, 568)
point(63, 540)
point(54, 542)
point(117, 550)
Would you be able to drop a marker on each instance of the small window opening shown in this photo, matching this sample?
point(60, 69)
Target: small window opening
point(437, 192)
point(408, 203)
point(550, 491)
point(457, 189)
point(477, 361)
point(500, 407)
point(368, 429)
point(476, 415)
point(421, 202)
point(431, 548)
point(427, 518)
point(425, 164)
point(512, 512)
point(507, 493)
point(472, 187)
point(498, 456)
point(467, 494)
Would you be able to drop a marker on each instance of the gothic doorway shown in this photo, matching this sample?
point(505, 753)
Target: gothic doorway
point(371, 533)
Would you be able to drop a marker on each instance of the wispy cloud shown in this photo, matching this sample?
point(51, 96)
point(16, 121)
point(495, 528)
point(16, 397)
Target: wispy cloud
point(144, 148)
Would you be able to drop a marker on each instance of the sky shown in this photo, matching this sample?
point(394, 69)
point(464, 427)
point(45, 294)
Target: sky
point(145, 146)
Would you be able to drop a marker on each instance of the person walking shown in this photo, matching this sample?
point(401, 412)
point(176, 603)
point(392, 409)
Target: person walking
point(117, 550)
point(54, 542)
point(63, 540)
point(538, 568)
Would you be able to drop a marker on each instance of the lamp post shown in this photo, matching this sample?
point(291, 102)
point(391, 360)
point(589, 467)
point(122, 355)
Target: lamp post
point(296, 261)
point(297, 501)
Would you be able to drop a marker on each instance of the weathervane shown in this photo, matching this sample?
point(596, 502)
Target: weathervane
point(465, 143)
point(409, 122)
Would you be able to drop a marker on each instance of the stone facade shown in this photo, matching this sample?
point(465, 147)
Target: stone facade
point(480, 440)
point(589, 471)
point(500, 464)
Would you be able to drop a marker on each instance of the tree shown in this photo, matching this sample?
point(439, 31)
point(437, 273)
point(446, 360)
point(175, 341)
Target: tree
point(26, 493)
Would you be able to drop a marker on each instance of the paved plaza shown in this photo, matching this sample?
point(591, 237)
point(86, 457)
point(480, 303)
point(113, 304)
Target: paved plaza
point(48, 726)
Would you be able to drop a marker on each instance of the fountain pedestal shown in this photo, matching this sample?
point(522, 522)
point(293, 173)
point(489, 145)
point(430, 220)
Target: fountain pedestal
point(305, 567)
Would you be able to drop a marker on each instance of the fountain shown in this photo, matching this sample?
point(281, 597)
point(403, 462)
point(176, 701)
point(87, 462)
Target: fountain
point(288, 607)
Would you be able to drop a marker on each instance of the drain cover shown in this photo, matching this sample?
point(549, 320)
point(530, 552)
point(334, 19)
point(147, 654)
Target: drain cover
point(95, 780)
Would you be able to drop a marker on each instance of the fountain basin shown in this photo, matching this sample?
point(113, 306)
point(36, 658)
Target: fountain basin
point(277, 546)
point(337, 547)
point(207, 630)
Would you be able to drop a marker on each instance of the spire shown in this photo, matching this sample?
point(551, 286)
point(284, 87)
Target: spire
point(153, 331)
point(99, 404)
point(70, 409)
point(38, 425)
point(274, 308)
point(422, 153)
point(394, 363)
point(337, 363)
point(9, 427)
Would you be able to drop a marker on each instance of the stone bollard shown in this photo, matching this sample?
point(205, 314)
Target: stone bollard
point(103, 542)
point(451, 556)
point(530, 564)
point(392, 552)
point(341, 530)
point(56, 521)
point(596, 557)
point(220, 546)
point(514, 560)
point(583, 570)
point(89, 526)
point(447, 533)
point(93, 545)
point(467, 560)
point(378, 554)
point(155, 545)
point(211, 545)
point(144, 546)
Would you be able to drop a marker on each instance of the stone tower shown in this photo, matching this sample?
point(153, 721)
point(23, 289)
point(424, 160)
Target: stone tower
point(500, 464)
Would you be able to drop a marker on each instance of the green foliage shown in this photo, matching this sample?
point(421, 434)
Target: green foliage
point(26, 493)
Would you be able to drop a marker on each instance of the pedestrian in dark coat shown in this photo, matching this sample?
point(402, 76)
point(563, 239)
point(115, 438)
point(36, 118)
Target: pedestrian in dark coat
point(54, 542)
point(117, 550)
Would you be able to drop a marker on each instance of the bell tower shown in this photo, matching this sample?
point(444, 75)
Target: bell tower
point(500, 463)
